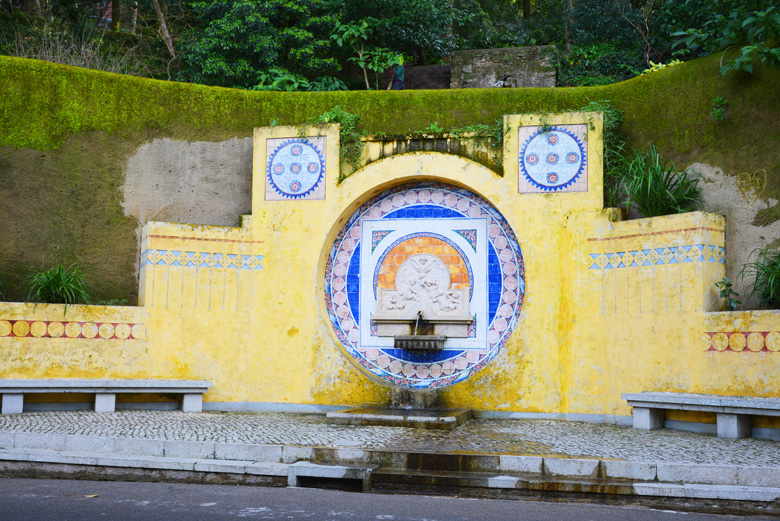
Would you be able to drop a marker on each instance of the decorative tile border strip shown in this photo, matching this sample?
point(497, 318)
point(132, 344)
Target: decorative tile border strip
point(196, 259)
point(657, 256)
point(746, 342)
point(64, 329)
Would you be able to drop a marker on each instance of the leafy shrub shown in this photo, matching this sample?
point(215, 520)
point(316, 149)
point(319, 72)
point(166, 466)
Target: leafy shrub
point(327, 84)
point(719, 106)
point(658, 66)
point(655, 188)
point(613, 150)
point(351, 146)
point(764, 277)
point(727, 293)
point(598, 64)
point(58, 285)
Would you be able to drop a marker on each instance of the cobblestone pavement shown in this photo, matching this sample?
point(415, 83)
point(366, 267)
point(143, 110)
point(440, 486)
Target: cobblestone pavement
point(527, 437)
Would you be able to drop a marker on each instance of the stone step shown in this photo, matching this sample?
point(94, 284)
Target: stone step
point(444, 419)
point(508, 485)
point(546, 466)
point(485, 484)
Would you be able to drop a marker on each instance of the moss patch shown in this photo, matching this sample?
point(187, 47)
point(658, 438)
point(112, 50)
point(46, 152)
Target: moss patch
point(63, 207)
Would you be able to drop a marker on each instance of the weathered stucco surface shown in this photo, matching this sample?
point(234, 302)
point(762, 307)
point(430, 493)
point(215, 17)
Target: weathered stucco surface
point(721, 194)
point(184, 182)
point(508, 67)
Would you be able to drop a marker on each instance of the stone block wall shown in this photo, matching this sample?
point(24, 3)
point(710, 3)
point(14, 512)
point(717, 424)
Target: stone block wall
point(509, 67)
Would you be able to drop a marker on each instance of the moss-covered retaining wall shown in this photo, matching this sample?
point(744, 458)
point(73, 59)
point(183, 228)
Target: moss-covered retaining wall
point(72, 140)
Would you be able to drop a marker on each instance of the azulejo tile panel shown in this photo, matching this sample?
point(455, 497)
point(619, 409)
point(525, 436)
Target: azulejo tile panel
point(656, 256)
point(743, 342)
point(295, 169)
point(553, 159)
point(466, 233)
point(65, 329)
point(205, 274)
point(199, 259)
point(413, 244)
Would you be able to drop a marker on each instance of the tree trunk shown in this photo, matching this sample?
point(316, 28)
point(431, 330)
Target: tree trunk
point(134, 18)
point(526, 9)
point(568, 36)
point(32, 7)
point(116, 15)
point(164, 28)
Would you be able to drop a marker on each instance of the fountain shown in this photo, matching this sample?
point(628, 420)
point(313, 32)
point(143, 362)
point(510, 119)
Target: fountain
point(423, 310)
point(420, 314)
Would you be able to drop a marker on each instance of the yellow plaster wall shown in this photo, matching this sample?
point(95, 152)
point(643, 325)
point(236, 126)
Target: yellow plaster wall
point(52, 341)
point(262, 334)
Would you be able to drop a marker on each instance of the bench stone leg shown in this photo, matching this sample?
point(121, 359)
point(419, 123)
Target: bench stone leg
point(13, 403)
point(734, 425)
point(648, 419)
point(105, 402)
point(192, 403)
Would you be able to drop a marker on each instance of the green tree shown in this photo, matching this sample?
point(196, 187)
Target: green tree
point(234, 42)
point(369, 57)
point(751, 25)
point(417, 28)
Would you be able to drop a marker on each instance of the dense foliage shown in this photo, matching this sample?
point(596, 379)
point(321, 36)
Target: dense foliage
point(300, 45)
point(235, 41)
point(751, 25)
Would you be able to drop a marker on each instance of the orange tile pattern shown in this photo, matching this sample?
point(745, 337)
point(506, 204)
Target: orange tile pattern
point(459, 275)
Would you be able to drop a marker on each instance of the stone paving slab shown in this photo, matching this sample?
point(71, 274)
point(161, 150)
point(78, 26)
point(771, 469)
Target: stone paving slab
point(555, 438)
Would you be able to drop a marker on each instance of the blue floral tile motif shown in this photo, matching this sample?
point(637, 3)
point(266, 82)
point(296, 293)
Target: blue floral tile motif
point(552, 159)
point(504, 284)
point(295, 169)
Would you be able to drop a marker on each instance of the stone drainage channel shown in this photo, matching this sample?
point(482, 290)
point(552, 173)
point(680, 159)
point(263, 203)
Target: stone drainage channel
point(713, 488)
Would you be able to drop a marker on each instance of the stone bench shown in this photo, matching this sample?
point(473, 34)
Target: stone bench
point(734, 413)
point(105, 391)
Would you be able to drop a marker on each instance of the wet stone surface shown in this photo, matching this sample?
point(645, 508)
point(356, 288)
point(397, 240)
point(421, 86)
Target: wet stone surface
point(525, 437)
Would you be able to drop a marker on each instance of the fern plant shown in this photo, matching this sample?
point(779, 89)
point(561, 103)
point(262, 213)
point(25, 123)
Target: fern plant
point(655, 188)
point(763, 277)
point(58, 285)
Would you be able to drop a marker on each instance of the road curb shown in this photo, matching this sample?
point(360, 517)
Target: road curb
point(77, 454)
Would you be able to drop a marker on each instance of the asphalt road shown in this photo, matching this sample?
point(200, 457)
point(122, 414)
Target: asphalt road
point(67, 500)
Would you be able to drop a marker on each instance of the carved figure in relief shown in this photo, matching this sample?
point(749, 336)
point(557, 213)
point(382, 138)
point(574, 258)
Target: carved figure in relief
point(421, 277)
point(423, 292)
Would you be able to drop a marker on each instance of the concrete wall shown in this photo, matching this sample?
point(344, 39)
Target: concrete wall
point(507, 67)
point(189, 182)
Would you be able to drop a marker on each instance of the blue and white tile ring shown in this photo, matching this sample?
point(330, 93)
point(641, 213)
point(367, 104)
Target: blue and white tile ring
point(552, 145)
point(509, 288)
point(286, 173)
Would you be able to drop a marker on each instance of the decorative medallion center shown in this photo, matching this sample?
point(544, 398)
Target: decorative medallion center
point(552, 159)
